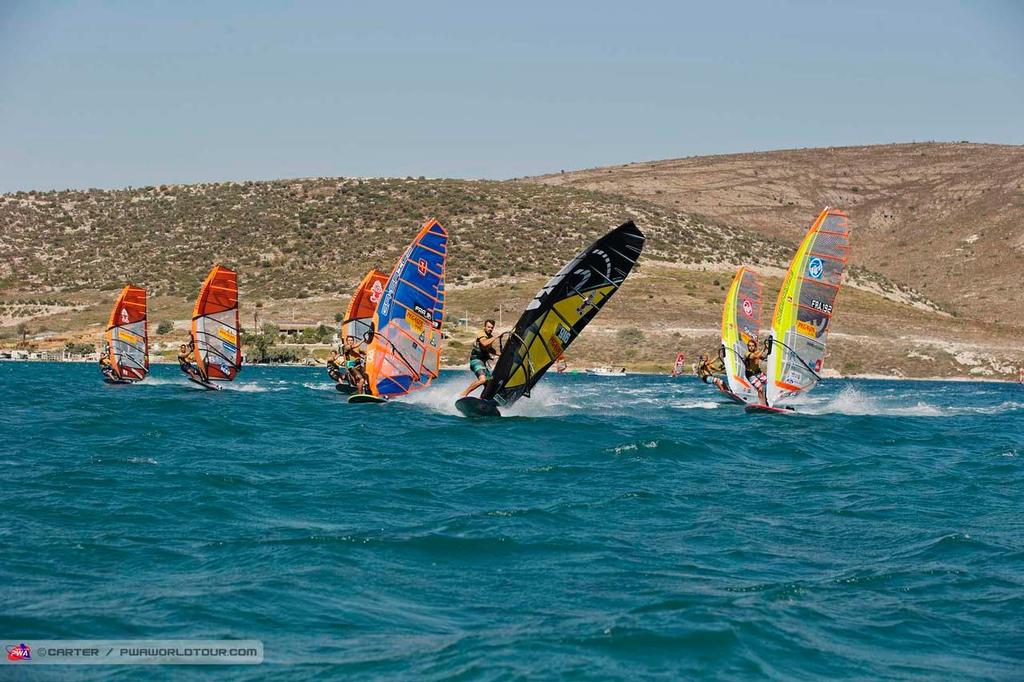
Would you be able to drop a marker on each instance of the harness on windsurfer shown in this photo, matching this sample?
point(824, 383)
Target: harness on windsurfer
point(752, 369)
point(485, 349)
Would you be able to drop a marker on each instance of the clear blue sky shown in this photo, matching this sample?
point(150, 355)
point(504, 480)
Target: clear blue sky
point(113, 94)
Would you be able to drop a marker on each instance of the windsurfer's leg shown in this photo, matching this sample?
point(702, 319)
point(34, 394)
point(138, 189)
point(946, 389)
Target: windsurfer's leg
point(481, 373)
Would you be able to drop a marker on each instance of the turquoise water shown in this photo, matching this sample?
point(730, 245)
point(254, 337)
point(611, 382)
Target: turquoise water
point(618, 527)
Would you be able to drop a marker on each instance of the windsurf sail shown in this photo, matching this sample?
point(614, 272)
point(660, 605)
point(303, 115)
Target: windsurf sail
point(560, 311)
point(127, 335)
point(804, 308)
point(215, 328)
point(405, 353)
point(679, 365)
point(358, 321)
point(741, 322)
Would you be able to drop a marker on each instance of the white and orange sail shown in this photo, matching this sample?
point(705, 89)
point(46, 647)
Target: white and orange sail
point(804, 308)
point(741, 322)
point(127, 335)
point(215, 326)
point(405, 354)
point(358, 320)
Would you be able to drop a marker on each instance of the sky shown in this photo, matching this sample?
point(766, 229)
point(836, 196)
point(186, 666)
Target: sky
point(115, 94)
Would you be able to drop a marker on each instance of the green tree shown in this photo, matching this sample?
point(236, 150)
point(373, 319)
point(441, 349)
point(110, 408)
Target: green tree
point(165, 327)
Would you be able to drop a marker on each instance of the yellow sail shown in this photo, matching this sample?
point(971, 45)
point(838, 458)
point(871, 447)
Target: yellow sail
point(804, 308)
point(741, 322)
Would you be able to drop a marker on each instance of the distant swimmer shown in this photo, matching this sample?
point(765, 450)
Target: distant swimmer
point(752, 368)
point(485, 349)
point(334, 369)
point(355, 363)
point(106, 367)
point(707, 369)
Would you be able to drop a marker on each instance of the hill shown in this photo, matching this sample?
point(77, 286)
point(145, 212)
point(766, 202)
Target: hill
point(946, 219)
point(301, 245)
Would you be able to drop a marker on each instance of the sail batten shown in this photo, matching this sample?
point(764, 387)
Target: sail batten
point(560, 311)
point(805, 306)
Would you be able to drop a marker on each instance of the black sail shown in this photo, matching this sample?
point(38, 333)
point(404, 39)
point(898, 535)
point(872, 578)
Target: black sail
point(560, 311)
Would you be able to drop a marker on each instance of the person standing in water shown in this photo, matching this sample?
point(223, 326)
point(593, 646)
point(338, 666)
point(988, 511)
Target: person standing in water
point(752, 368)
point(485, 349)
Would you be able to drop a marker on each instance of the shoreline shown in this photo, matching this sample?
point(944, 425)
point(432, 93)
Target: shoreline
point(453, 368)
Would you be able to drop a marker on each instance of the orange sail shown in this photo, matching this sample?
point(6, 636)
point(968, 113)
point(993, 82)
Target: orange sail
point(215, 326)
point(358, 319)
point(127, 335)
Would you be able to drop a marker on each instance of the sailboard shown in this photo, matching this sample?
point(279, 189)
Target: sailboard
point(757, 408)
point(404, 354)
point(215, 329)
point(357, 398)
point(556, 316)
point(741, 322)
point(805, 305)
point(127, 337)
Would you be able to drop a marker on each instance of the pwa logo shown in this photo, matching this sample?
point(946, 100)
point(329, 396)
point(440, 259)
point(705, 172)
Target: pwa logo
point(19, 652)
point(376, 289)
point(815, 268)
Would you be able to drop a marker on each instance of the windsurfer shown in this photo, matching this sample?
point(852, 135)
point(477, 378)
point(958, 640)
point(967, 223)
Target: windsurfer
point(355, 363)
point(752, 369)
point(105, 366)
point(485, 348)
point(185, 361)
point(707, 369)
point(334, 368)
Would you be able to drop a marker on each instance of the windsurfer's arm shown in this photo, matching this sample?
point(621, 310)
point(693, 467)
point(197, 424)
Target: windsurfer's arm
point(487, 342)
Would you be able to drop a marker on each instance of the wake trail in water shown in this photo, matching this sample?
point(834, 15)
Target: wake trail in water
point(544, 401)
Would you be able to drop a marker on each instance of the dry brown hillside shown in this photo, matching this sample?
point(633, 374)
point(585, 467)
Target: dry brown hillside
point(944, 218)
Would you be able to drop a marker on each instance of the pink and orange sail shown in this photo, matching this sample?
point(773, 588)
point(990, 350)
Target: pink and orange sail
point(127, 335)
point(358, 320)
point(215, 326)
